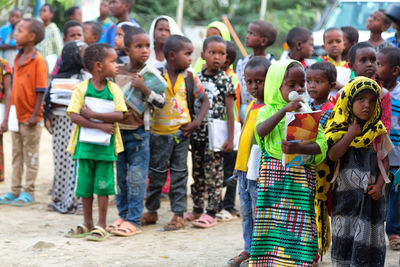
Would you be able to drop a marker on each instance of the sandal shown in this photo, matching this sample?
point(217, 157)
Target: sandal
point(149, 218)
point(97, 234)
point(191, 216)
point(205, 221)
point(237, 260)
point(176, 223)
point(126, 229)
point(24, 199)
point(114, 225)
point(224, 216)
point(245, 263)
point(394, 242)
point(78, 232)
point(7, 198)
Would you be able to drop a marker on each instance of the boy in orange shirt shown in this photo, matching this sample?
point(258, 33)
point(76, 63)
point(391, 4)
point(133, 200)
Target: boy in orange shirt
point(30, 83)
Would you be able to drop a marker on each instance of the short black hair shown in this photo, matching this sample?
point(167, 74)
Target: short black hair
point(332, 29)
point(231, 51)
point(351, 33)
point(386, 19)
point(175, 43)
point(212, 39)
point(130, 33)
point(131, 3)
point(267, 30)
point(15, 10)
point(71, 10)
point(258, 62)
point(96, 28)
point(36, 27)
point(95, 53)
point(392, 55)
point(327, 68)
point(354, 48)
point(69, 24)
point(51, 8)
point(297, 34)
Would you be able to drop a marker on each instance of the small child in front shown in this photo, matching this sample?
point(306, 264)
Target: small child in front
point(29, 85)
point(285, 215)
point(333, 45)
point(254, 73)
point(358, 212)
point(94, 171)
point(208, 172)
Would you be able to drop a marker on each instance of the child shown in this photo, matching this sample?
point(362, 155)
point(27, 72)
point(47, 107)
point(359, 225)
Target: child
point(5, 92)
point(300, 42)
point(104, 20)
point(333, 45)
point(285, 216)
point(350, 38)
point(388, 72)
point(377, 23)
point(8, 46)
point(52, 43)
point(161, 28)
point(260, 35)
point(75, 13)
point(119, 41)
point(133, 163)
point(95, 163)
point(254, 72)
point(91, 32)
point(393, 14)
point(72, 30)
point(171, 128)
point(63, 197)
point(208, 164)
point(357, 213)
point(29, 85)
point(120, 10)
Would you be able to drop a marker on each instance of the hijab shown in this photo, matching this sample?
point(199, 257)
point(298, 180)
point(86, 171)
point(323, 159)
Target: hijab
point(71, 60)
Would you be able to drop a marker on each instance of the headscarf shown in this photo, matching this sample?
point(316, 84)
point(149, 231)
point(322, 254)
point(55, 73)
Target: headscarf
point(173, 28)
point(71, 60)
point(342, 115)
point(273, 103)
point(224, 31)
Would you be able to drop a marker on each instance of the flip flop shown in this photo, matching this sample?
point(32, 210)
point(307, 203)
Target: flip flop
point(7, 198)
point(191, 216)
point(205, 221)
point(126, 229)
point(78, 231)
point(224, 216)
point(24, 199)
point(114, 225)
point(97, 234)
point(394, 242)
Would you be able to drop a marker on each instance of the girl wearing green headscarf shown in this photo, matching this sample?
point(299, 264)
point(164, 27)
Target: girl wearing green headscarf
point(285, 231)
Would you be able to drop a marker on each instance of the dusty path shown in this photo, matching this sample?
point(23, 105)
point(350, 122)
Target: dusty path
point(22, 228)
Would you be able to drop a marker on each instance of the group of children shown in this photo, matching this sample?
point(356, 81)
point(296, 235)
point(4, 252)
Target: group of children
point(285, 212)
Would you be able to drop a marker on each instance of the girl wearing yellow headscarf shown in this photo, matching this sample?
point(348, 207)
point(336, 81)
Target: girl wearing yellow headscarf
point(358, 236)
point(285, 231)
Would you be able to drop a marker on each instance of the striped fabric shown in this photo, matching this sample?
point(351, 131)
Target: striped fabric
point(285, 232)
point(394, 156)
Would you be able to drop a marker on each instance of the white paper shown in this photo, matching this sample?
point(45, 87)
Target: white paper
point(254, 163)
point(51, 61)
point(12, 117)
point(96, 136)
point(218, 133)
point(343, 75)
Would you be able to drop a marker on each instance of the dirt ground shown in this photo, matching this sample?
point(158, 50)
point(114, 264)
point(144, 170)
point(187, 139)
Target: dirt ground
point(32, 236)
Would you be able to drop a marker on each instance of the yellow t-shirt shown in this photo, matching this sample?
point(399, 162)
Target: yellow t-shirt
point(247, 138)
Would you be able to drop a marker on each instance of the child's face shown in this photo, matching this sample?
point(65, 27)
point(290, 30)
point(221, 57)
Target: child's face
point(293, 81)
point(318, 86)
point(109, 64)
point(74, 33)
point(384, 69)
point(333, 43)
point(139, 50)
point(183, 58)
point(213, 32)
point(88, 35)
point(364, 105)
point(45, 14)
point(376, 22)
point(306, 48)
point(253, 37)
point(104, 10)
point(15, 17)
point(77, 15)
point(215, 56)
point(346, 44)
point(255, 78)
point(161, 32)
point(117, 8)
point(119, 38)
point(365, 62)
point(22, 34)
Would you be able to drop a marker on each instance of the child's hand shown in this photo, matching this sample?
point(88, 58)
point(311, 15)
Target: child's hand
point(227, 146)
point(188, 129)
point(293, 105)
point(138, 81)
point(4, 127)
point(107, 127)
point(355, 128)
point(290, 148)
point(33, 120)
point(87, 112)
point(375, 191)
